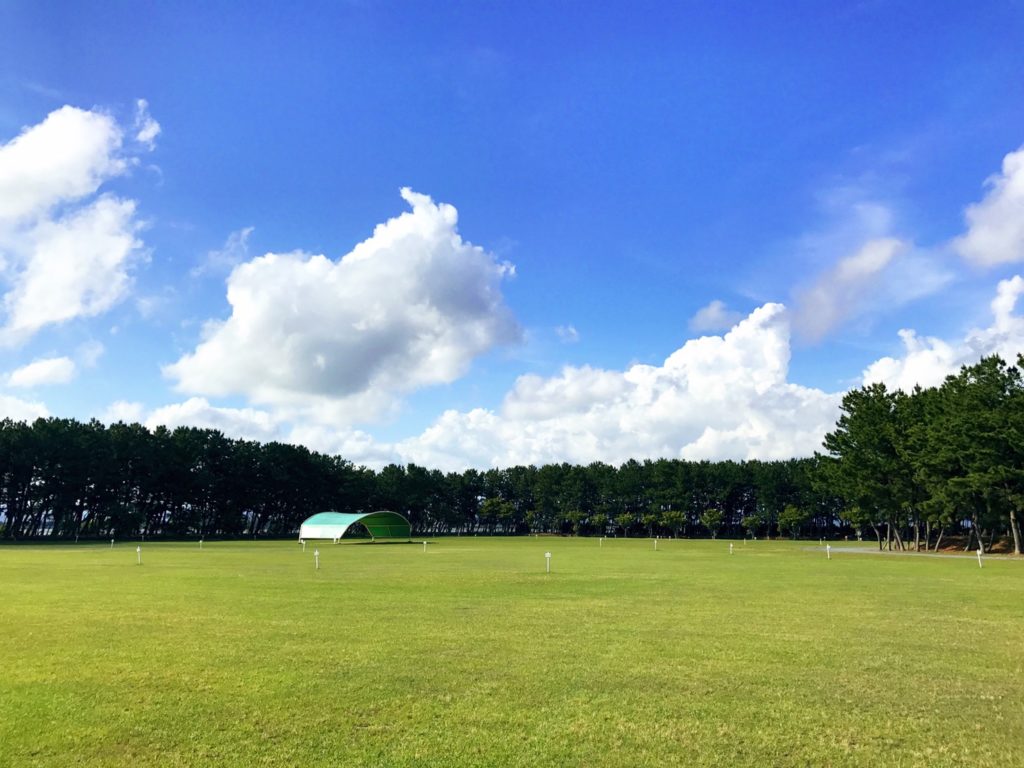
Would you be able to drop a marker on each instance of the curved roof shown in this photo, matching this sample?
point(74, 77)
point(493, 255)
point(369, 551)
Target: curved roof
point(332, 525)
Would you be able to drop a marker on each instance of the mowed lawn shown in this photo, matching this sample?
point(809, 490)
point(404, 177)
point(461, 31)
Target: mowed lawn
point(469, 654)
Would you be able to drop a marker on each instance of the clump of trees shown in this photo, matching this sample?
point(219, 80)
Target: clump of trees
point(912, 467)
point(945, 458)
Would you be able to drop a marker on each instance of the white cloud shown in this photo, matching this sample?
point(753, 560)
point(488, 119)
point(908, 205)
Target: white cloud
point(567, 334)
point(48, 371)
point(927, 360)
point(409, 307)
point(63, 255)
point(75, 266)
point(716, 397)
point(234, 251)
point(65, 157)
point(89, 353)
point(247, 423)
point(714, 317)
point(995, 225)
point(882, 274)
point(146, 128)
point(123, 410)
point(17, 409)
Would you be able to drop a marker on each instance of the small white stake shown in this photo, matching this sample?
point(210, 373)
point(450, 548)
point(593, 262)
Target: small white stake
point(138, 551)
point(730, 547)
point(979, 557)
point(655, 545)
point(200, 544)
point(601, 542)
point(424, 547)
point(111, 543)
point(828, 551)
point(316, 558)
point(547, 556)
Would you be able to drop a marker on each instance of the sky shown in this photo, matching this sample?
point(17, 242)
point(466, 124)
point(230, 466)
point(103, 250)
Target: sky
point(486, 234)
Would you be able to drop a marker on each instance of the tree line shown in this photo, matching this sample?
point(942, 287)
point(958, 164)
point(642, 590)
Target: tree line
point(908, 468)
point(914, 467)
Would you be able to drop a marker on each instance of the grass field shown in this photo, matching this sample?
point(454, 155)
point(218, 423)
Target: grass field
point(242, 655)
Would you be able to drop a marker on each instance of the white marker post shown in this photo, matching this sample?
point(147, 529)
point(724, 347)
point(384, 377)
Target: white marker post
point(316, 558)
point(200, 544)
point(730, 547)
point(655, 545)
point(424, 547)
point(600, 542)
point(979, 557)
point(547, 558)
point(138, 551)
point(828, 551)
point(111, 543)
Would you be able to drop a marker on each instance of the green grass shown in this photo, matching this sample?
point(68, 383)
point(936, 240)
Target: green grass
point(243, 655)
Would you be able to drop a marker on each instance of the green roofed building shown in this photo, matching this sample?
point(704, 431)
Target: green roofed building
point(332, 525)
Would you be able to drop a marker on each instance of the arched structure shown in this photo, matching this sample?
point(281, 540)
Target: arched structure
point(332, 525)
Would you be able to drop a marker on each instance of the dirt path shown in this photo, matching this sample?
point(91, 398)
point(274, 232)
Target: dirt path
point(869, 551)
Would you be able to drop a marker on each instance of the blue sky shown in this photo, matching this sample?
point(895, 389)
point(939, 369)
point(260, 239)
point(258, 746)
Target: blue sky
point(626, 179)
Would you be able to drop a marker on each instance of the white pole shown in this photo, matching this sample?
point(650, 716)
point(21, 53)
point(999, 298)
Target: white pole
point(979, 557)
point(138, 551)
point(424, 547)
point(200, 544)
point(316, 558)
point(111, 543)
point(547, 557)
point(730, 547)
point(601, 542)
point(828, 551)
point(655, 545)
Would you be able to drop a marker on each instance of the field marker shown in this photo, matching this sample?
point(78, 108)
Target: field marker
point(316, 558)
point(828, 551)
point(424, 547)
point(547, 557)
point(200, 544)
point(138, 551)
point(979, 557)
point(601, 542)
point(655, 545)
point(111, 543)
point(730, 547)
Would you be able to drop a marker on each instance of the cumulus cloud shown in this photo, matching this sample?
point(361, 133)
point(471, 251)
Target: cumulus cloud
point(716, 397)
point(65, 252)
point(247, 423)
point(16, 409)
point(409, 307)
point(995, 225)
point(47, 371)
point(714, 317)
point(123, 410)
point(927, 360)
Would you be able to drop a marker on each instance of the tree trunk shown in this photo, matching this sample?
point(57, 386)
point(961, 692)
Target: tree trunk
point(1015, 530)
point(927, 534)
point(898, 538)
point(938, 541)
point(878, 535)
point(917, 535)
